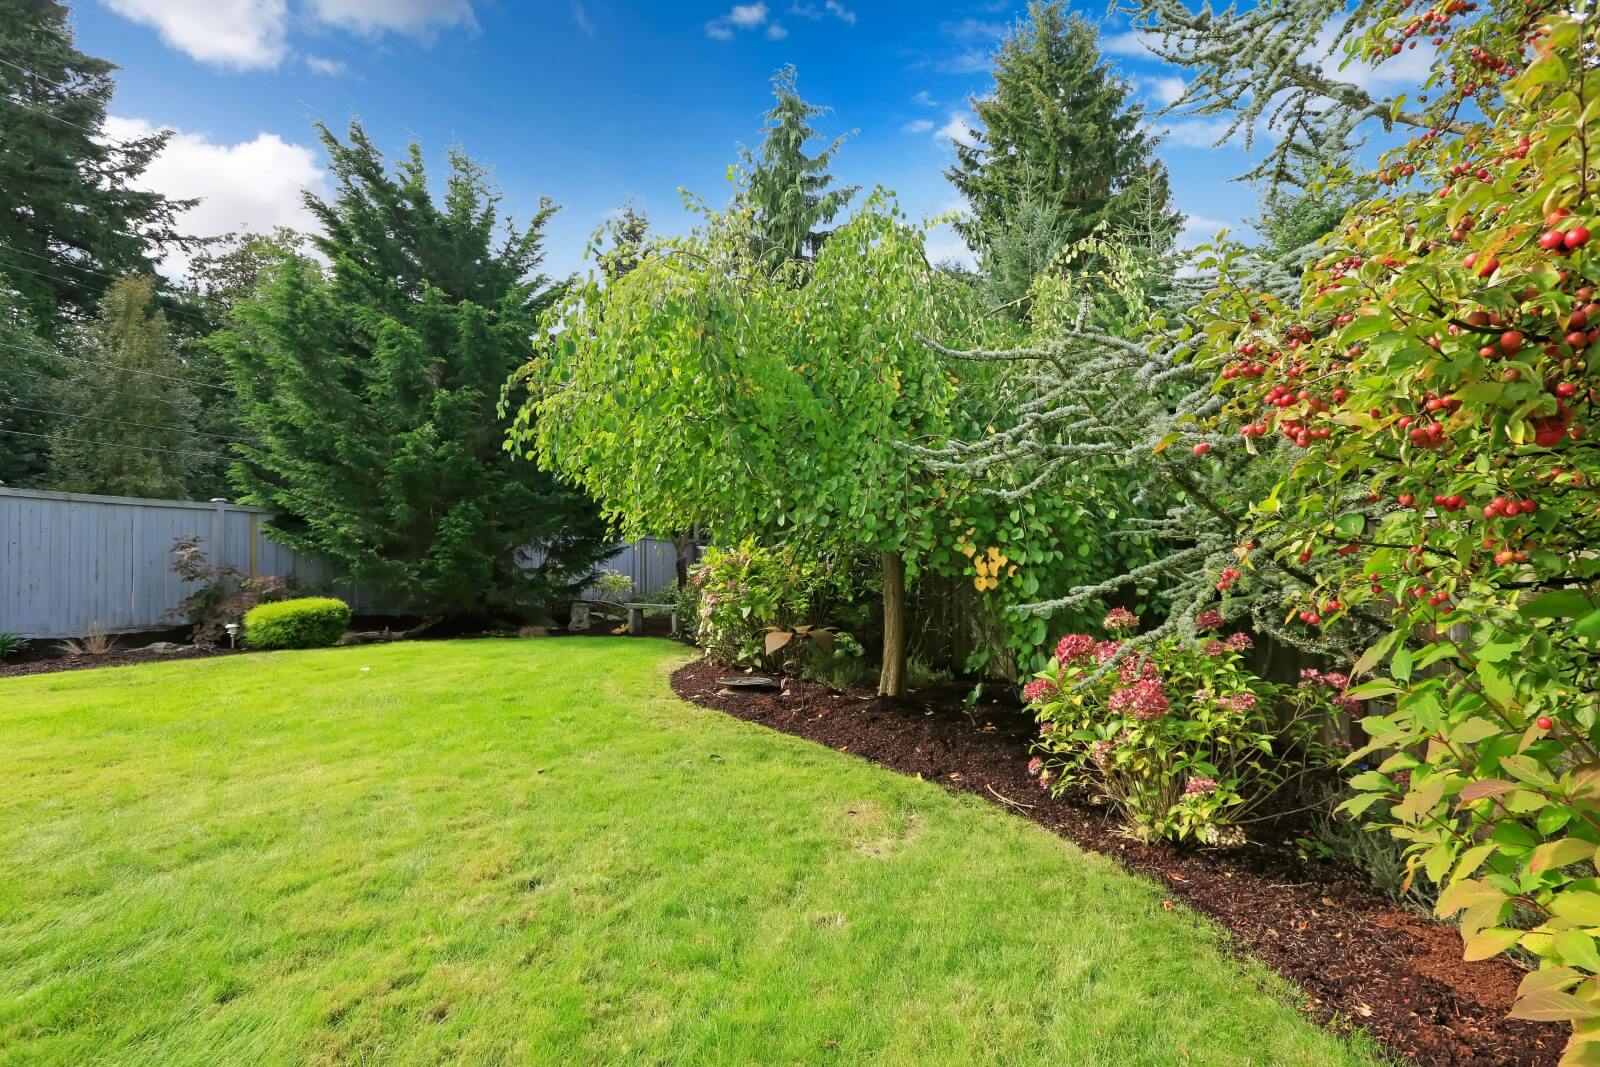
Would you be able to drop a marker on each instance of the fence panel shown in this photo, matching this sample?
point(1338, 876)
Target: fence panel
point(71, 563)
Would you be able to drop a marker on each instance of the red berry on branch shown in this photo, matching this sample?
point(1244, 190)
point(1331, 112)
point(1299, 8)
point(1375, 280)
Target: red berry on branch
point(1544, 722)
point(1576, 237)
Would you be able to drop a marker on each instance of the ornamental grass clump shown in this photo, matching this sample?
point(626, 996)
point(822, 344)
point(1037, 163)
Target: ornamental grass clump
point(1182, 739)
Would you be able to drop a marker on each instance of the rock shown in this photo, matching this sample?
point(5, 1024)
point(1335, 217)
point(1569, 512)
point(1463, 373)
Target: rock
point(748, 681)
point(534, 631)
point(163, 647)
point(580, 617)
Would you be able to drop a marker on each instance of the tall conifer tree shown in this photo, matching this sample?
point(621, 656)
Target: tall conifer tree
point(373, 389)
point(70, 217)
point(792, 194)
point(1059, 147)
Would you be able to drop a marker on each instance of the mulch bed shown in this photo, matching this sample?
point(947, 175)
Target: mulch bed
point(114, 658)
point(1361, 959)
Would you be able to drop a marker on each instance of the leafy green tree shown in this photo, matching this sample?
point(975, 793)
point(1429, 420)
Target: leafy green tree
point(1058, 150)
point(792, 194)
point(372, 389)
point(628, 232)
point(128, 424)
point(70, 215)
point(702, 388)
point(29, 372)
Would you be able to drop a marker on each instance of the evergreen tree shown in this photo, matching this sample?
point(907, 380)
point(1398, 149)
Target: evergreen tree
point(69, 215)
point(1059, 149)
point(792, 195)
point(28, 378)
point(129, 430)
point(228, 272)
point(373, 389)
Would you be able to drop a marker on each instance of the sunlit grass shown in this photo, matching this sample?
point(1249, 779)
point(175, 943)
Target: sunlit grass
point(531, 852)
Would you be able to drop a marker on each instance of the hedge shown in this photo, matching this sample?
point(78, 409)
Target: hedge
point(310, 622)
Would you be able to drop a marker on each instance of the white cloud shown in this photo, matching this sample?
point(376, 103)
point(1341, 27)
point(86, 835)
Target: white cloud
point(253, 185)
point(243, 34)
point(816, 12)
point(1198, 230)
point(581, 17)
point(739, 17)
point(977, 38)
point(776, 32)
point(253, 34)
point(333, 68)
point(1129, 43)
point(1166, 91)
point(405, 16)
point(957, 131)
point(925, 98)
point(1200, 133)
point(945, 245)
point(918, 126)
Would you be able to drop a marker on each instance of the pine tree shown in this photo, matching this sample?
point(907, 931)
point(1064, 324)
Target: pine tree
point(1059, 149)
point(129, 430)
point(791, 194)
point(373, 389)
point(70, 217)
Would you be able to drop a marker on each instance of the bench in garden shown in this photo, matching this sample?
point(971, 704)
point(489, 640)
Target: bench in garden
point(636, 616)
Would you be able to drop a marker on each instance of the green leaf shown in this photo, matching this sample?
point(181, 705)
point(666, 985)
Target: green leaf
point(1400, 666)
point(1558, 604)
point(1577, 905)
point(1553, 854)
point(1588, 626)
point(1486, 944)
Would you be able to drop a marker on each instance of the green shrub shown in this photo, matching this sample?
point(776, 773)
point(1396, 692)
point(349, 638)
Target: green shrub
point(751, 589)
point(311, 622)
point(10, 644)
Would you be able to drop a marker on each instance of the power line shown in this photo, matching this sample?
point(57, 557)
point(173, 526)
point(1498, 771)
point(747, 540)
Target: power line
point(98, 381)
point(118, 444)
point(126, 422)
point(196, 316)
point(124, 370)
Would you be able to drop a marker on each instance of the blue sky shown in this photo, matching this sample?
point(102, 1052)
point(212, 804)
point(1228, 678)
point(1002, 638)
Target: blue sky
point(586, 102)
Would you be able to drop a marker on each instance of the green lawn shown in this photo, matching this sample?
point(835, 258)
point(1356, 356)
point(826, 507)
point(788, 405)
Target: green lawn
point(532, 852)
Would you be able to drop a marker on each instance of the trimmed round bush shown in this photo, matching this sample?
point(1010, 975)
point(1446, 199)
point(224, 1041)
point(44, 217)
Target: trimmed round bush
point(310, 622)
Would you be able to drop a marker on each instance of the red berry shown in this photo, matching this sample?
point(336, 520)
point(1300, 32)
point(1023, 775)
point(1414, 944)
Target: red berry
point(1576, 237)
point(1511, 340)
point(1544, 722)
point(1552, 240)
point(1202, 448)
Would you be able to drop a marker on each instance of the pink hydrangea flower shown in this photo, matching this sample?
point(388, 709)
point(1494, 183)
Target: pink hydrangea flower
point(1035, 765)
point(1100, 753)
point(1240, 642)
point(1347, 704)
point(1074, 647)
point(1106, 651)
point(1239, 702)
point(1144, 700)
point(1047, 728)
point(1120, 619)
point(1199, 785)
point(1215, 648)
point(1039, 689)
point(1210, 619)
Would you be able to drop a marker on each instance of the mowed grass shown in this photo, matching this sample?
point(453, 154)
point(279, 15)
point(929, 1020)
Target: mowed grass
point(532, 852)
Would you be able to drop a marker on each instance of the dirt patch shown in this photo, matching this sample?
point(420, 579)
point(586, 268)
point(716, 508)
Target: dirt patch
point(117, 658)
point(1360, 959)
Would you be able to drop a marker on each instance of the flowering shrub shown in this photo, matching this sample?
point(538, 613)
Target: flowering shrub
point(1184, 741)
point(748, 591)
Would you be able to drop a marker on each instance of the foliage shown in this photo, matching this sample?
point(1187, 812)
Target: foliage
point(1058, 149)
point(629, 231)
point(750, 589)
point(372, 392)
point(702, 389)
point(73, 210)
point(791, 195)
point(225, 594)
point(130, 434)
point(11, 644)
point(1183, 740)
point(29, 371)
point(614, 586)
point(308, 622)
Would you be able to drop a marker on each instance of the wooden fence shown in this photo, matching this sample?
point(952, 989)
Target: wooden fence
point(71, 563)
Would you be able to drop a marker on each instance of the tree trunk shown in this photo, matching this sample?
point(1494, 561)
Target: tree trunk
point(680, 545)
point(892, 682)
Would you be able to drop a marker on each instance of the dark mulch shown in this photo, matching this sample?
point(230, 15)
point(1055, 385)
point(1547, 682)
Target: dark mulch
point(115, 658)
point(1360, 959)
